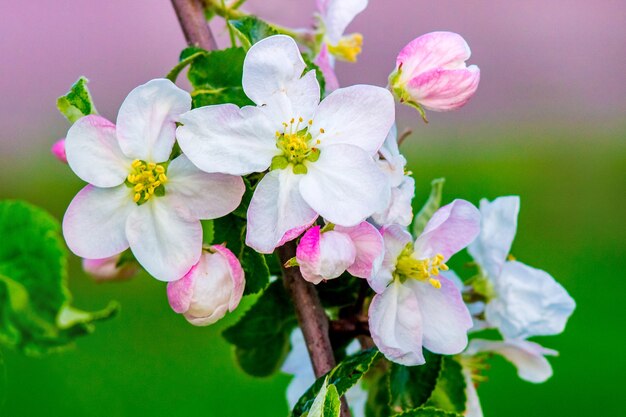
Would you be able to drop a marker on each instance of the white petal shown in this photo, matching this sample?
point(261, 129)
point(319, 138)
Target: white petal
point(472, 404)
point(369, 246)
point(528, 302)
point(395, 323)
point(497, 231)
point(94, 154)
point(324, 255)
point(338, 14)
point(360, 115)
point(395, 239)
point(390, 160)
point(344, 185)
point(203, 195)
point(93, 225)
point(227, 139)
point(276, 208)
point(445, 317)
point(164, 241)
point(297, 100)
point(399, 211)
point(146, 122)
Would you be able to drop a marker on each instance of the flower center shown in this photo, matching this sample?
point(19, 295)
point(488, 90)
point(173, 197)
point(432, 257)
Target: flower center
point(147, 179)
point(348, 47)
point(295, 144)
point(420, 269)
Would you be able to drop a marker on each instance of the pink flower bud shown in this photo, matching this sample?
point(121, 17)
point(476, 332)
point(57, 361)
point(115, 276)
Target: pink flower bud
point(58, 150)
point(431, 72)
point(107, 269)
point(211, 288)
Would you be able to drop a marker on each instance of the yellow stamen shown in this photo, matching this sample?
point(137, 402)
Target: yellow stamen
point(421, 269)
point(145, 178)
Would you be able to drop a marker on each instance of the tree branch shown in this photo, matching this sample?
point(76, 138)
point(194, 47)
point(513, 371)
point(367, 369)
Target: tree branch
point(195, 27)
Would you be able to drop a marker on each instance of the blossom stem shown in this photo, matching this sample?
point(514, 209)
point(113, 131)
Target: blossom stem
point(195, 27)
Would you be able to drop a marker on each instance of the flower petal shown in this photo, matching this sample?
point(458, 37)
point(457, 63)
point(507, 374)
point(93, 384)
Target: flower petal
point(369, 249)
point(236, 273)
point(360, 115)
point(344, 185)
point(399, 211)
point(276, 208)
point(472, 403)
point(324, 255)
point(94, 154)
point(528, 302)
point(337, 15)
point(58, 150)
point(146, 122)
point(395, 239)
point(451, 228)
point(396, 325)
point(164, 241)
point(443, 89)
point(324, 61)
point(446, 319)
point(497, 231)
point(227, 139)
point(203, 195)
point(433, 50)
point(528, 357)
point(180, 292)
point(93, 225)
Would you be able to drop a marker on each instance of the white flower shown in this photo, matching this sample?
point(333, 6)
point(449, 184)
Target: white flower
point(525, 301)
point(319, 154)
point(136, 198)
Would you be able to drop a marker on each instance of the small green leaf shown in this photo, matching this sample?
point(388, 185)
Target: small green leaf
point(242, 210)
point(310, 65)
point(189, 58)
point(208, 231)
point(412, 386)
point(256, 270)
point(343, 376)
point(77, 102)
point(3, 381)
point(250, 30)
point(230, 230)
point(326, 403)
point(36, 316)
point(432, 205)
point(427, 412)
point(449, 394)
point(376, 383)
point(261, 336)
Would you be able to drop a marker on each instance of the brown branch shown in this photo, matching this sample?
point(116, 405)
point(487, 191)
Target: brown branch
point(195, 27)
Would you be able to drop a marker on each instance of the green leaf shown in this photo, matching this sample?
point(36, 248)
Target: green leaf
point(77, 102)
point(326, 403)
point(376, 383)
point(261, 336)
point(427, 412)
point(256, 270)
point(250, 30)
point(208, 231)
point(339, 292)
point(343, 376)
point(449, 394)
point(3, 381)
point(310, 65)
point(36, 316)
point(187, 60)
point(412, 386)
point(432, 205)
point(230, 230)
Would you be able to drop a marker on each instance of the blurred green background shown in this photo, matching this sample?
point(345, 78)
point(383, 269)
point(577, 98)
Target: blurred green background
point(149, 361)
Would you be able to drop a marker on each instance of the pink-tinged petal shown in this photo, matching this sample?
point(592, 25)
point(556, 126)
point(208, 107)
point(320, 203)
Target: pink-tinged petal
point(94, 154)
point(344, 185)
point(443, 89)
point(276, 209)
point(433, 50)
point(399, 211)
point(93, 225)
point(227, 139)
point(295, 232)
point(297, 100)
point(360, 115)
point(203, 195)
point(180, 292)
point(528, 302)
point(451, 228)
point(528, 357)
point(395, 323)
point(446, 319)
point(325, 63)
point(107, 269)
point(472, 403)
point(322, 5)
point(324, 256)
point(146, 121)
point(497, 231)
point(395, 239)
point(369, 249)
point(337, 15)
point(58, 150)
point(164, 241)
point(236, 273)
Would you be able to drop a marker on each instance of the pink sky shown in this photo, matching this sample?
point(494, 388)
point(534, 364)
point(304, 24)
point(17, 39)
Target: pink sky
point(562, 61)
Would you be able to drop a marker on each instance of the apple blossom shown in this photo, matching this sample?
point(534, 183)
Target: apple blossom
point(335, 16)
point(135, 197)
point(112, 268)
point(58, 150)
point(319, 155)
point(211, 287)
point(431, 72)
point(416, 305)
point(327, 253)
point(521, 301)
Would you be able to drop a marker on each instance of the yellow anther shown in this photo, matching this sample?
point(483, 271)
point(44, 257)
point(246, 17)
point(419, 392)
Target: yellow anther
point(136, 197)
point(510, 257)
point(145, 178)
point(310, 122)
point(162, 178)
point(300, 119)
point(435, 283)
point(317, 142)
point(292, 120)
point(159, 169)
point(443, 267)
point(137, 163)
point(322, 130)
point(348, 47)
point(138, 187)
point(420, 269)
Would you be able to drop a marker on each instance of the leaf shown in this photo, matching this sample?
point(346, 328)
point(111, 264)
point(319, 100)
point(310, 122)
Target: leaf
point(339, 292)
point(427, 412)
point(188, 59)
point(256, 269)
point(326, 402)
point(310, 65)
point(77, 102)
point(36, 316)
point(378, 393)
point(250, 30)
point(3, 381)
point(208, 231)
point(261, 336)
point(449, 394)
point(412, 386)
point(343, 376)
point(432, 205)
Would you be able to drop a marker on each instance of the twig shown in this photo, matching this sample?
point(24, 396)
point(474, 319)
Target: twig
point(195, 27)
